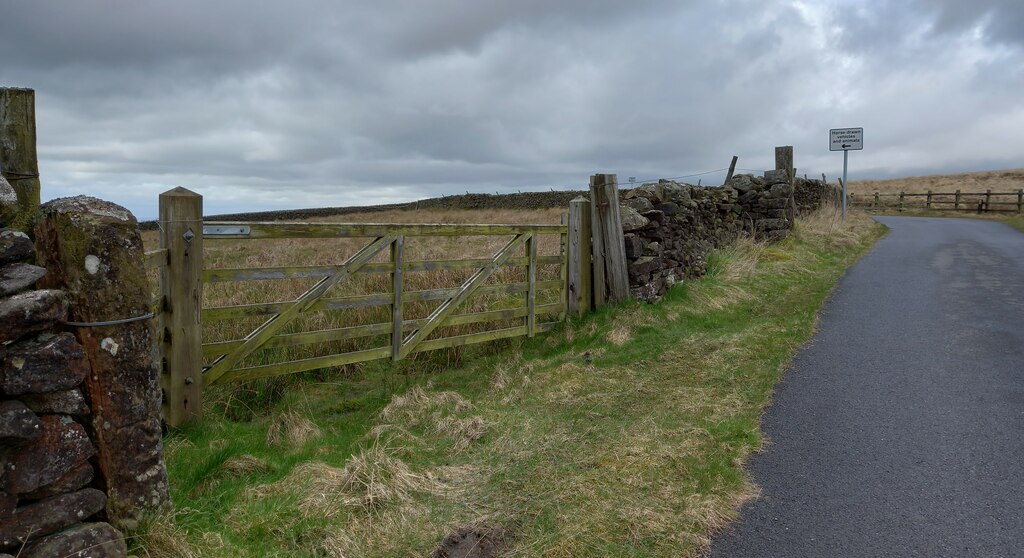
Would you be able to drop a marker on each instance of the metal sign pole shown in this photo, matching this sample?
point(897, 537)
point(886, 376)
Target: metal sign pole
point(846, 158)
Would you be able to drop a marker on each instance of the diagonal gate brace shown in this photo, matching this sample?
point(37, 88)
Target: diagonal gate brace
point(468, 288)
point(262, 334)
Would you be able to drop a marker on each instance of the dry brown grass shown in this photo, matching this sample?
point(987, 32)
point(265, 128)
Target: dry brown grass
point(292, 430)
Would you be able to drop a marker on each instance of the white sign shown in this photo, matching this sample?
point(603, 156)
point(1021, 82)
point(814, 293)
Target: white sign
point(846, 139)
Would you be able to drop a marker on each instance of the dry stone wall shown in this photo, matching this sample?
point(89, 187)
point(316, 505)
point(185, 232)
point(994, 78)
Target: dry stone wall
point(80, 453)
point(670, 227)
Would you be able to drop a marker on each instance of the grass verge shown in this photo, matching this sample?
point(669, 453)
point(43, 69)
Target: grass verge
point(621, 434)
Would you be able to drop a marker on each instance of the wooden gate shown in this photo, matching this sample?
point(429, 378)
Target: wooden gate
point(512, 292)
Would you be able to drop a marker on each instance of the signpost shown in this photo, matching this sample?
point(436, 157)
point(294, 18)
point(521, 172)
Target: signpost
point(845, 140)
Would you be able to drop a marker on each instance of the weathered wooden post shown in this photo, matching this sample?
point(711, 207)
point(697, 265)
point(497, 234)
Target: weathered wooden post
point(732, 169)
point(956, 200)
point(18, 161)
point(876, 201)
point(92, 250)
point(928, 200)
point(611, 280)
point(580, 279)
point(397, 285)
point(988, 200)
point(900, 208)
point(181, 234)
point(1020, 201)
point(784, 161)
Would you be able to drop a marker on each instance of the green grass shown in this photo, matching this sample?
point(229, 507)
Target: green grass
point(621, 434)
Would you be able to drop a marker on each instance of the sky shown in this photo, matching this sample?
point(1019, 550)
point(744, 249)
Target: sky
point(322, 103)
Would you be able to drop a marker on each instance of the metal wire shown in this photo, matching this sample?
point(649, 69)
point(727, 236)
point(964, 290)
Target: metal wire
point(110, 322)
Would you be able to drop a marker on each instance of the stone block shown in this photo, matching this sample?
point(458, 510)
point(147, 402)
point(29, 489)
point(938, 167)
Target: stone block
point(15, 246)
point(42, 518)
point(780, 191)
point(632, 220)
point(634, 246)
point(776, 176)
point(62, 447)
point(88, 540)
point(41, 365)
point(18, 424)
point(17, 277)
point(640, 205)
point(64, 402)
point(31, 312)
point(776, 235)
point(774, 203)
point(668, 208)
point(8, 503)
point(772, 224)
point(76, 478)
point(654, 215)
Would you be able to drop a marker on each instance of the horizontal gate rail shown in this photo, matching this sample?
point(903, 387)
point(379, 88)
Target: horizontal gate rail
point(382, 328)
point(356, 230)
point(217, 313)
point(222, 275)
point(303, 365)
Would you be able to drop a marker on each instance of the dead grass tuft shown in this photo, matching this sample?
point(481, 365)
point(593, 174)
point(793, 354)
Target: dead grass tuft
point(291, 429)
point(464, 431)
point(244, 465)
point(417, 405)
point(619, 336)
point(162, 538)
point(827, 223)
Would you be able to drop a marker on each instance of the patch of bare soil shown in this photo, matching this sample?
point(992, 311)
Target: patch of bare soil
point(472, 542)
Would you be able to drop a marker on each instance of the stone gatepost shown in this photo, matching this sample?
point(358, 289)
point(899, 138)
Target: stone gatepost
point(93, 252)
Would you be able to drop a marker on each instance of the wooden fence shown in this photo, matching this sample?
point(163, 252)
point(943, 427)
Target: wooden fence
point(980, 202)
point(512, 292)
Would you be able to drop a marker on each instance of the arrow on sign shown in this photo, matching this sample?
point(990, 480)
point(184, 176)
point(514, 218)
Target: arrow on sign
point(846, 145)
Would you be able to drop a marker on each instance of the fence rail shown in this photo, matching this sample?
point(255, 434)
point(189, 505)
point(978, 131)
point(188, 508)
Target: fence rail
point(980, 202)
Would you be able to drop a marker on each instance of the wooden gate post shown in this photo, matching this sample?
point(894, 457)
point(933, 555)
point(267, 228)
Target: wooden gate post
point(181, 234)
point(611, 280)
point(928, 200)
point(18, 152)
point(580, 279)
point(1020, 201)
point(956, 202)
point(988, 200)
point(732, 169)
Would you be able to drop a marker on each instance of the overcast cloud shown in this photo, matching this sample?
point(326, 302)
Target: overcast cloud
point(325, 103)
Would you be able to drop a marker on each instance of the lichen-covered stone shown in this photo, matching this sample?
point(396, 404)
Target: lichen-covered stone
point(62, 447)
point(92, 249)
point(31, 312)
point(631, 220)
point(18, 424)
point(780, 191)
point(15, 246)
point(45, 364)
point(42, 518)
point(76, 478)
point(88, 540)
point(639, 204)
point(64, 402)
point(17, 277)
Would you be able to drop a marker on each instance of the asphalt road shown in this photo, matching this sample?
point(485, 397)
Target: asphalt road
point(899, 429)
